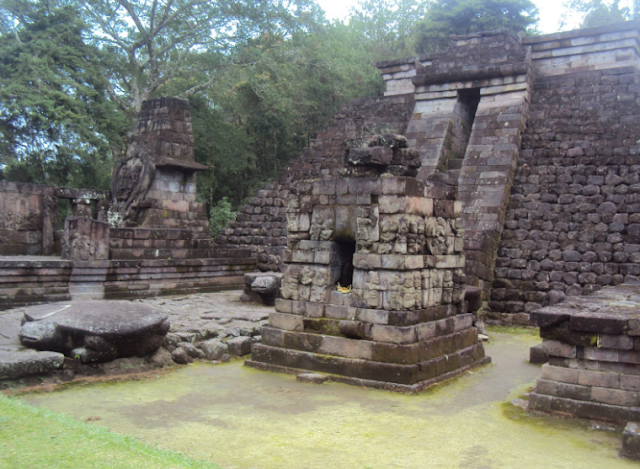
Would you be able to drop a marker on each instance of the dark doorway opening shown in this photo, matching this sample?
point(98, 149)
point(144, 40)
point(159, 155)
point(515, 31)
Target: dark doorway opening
point(342, 265)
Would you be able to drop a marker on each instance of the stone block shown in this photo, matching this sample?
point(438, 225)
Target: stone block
point(556, 373)
point(336, 312)
point(419, 206)
point(597, 354)
point(284, 306)
point(390, 204)
point(314, 310)
point(239, 346)
point(393, 334)
point(348, 348)
point(288, 322)
point(554, 348)
point(426, 331)
point(631, 441)
point(615, 397)
point(537, 355)
point(630, 382)
point(370, 156)
point(599, 379)
point(565, 390)
point(373, 316)
point(622, 342)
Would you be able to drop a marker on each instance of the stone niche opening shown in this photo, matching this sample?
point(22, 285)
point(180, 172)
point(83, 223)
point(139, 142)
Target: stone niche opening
point(343, 250)
point(462, 122)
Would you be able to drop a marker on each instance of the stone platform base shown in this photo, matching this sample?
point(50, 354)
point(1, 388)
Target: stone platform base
point(411, 378)
point(592, 344)
point(565, 407)
point(26, 280)
point(371, 383)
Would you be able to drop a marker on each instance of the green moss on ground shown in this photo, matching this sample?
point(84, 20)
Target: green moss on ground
point(529, 331)
point(35, 437)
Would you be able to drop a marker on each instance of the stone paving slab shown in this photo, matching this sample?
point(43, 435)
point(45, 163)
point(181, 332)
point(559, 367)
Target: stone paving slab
point(219, 312)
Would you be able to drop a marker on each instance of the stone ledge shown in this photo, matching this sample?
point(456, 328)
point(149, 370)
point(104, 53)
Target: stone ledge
point(374, 384)
point(15, 365)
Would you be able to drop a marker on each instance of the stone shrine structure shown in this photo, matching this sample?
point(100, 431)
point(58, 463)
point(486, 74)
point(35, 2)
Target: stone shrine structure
point(591, 345)
point(401, 324)
point(541, 136)
point(146, 237)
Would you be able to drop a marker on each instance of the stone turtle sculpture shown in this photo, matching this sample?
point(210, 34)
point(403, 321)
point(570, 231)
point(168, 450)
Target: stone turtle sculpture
point(94, 331)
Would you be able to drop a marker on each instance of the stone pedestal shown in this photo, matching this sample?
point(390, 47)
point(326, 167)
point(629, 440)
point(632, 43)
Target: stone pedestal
point(373, 288)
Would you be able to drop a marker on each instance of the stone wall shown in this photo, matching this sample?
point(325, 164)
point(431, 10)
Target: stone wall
point(573, 223)
point(261, 224)
point(25, 210)
point(547, 176)
point(29, 216)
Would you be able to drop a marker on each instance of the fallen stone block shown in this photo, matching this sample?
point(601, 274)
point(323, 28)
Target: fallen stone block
point(17, 364)
point(214, 349)
point(239, 346)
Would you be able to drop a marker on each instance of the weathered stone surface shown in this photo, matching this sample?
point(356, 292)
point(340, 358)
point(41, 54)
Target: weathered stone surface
point(181, 356)
point(161, 358)
point(18, 364)
point(214, 349)
point(593, 365)
point(239, 346)
point(95, 330)
point(262, 287)
point(631, 441)
point(315, 378)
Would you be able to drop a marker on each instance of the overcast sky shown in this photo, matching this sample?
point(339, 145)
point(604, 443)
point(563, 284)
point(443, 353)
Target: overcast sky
point(550, 12)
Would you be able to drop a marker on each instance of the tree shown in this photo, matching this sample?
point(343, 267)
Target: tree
point(269, 100)
point(599, 13)
point(386, 27)
point(57, 125)
point(446, 17)
point(157, 41)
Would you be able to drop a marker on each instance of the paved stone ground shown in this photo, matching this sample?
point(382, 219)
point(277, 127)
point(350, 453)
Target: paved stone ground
point(221, 311)
point(194, 319)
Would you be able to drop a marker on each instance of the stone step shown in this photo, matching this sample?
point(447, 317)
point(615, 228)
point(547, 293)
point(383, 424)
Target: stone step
point(410, 374)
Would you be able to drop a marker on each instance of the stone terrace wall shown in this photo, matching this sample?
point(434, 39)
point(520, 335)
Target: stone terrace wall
point(261, 224)
point(26, 210)
point(573, 222)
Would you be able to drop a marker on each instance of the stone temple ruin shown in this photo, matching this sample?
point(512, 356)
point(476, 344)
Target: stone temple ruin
point(500, 176)
point(148, 236)
point(540, 135)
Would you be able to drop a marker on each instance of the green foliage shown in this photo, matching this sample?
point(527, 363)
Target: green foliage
point(269, 100)
point(160, 41)
point(57, 125)
point(386, 27)
point(446, 17)
point(599, 13)
point(220, 216)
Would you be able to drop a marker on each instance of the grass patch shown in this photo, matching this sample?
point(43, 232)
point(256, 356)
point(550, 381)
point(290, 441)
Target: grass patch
point(530, 331)
point(36, 437)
